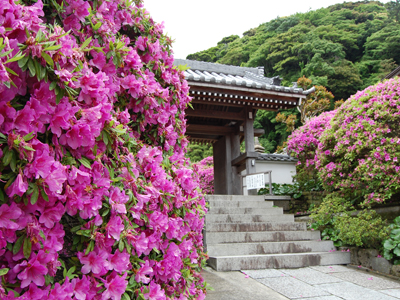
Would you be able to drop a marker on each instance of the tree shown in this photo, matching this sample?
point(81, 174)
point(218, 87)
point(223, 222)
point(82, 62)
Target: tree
point(393, 8)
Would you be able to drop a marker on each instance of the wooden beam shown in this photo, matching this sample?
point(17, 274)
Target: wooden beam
point(242, 158)
point(242, 93)
point(204, 113)
point(208, 129)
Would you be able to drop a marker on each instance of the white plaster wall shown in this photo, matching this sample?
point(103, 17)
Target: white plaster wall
point(282, 171)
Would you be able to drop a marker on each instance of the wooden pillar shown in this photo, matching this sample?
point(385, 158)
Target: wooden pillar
point(249, 139)
point(249, 143)
point(222, 166)
point(235, 152)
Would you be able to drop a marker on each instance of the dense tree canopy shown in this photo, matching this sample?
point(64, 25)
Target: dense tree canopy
point(345, 47)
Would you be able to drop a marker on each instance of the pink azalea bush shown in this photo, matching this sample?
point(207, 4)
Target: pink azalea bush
point(97, 200)
point(205, 170)
point(359, 155)
point(303, 143)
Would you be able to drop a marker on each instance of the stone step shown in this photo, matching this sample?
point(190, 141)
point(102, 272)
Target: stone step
point(275, 197)
point(269, 248)
point(234, 198)
point(257, 226)
point(246, 211)
point(242, 204)
point(278, 261)
point(261, 236)
point(210, 218)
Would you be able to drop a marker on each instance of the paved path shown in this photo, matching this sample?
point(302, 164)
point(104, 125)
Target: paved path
point(312, 283)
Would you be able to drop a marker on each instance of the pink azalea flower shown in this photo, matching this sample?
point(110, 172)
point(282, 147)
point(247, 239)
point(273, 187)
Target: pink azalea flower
point(144, 271)
point(115, 227)
point(115, 287)
point(18, 187)
point(93, 262)
point(8, 214)
point(154, 292)
point(33, 272)
point(119, 261)
point(52, 215)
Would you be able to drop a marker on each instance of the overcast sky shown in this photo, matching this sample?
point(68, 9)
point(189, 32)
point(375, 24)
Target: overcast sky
point(197, 25)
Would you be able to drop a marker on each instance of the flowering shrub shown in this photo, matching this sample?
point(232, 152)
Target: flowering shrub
point(303, 143)
point(359, 155)
point(205, 170)
point(96, 197)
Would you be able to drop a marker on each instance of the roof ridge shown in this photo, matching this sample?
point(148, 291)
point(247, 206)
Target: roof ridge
point(218, 68)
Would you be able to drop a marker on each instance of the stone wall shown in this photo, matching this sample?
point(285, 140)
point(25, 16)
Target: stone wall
point(370, 259)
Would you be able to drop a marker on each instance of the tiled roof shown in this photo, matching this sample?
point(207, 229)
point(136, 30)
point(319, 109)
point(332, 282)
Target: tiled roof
point(276, 157)
point(394, 73)
point(235, 76)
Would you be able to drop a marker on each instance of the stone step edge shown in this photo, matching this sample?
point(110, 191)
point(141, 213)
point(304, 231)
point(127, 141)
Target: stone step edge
point(277, 254)
point(283, 242)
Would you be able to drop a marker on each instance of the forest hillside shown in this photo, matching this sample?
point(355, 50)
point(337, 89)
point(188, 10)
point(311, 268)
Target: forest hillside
point(345, 47)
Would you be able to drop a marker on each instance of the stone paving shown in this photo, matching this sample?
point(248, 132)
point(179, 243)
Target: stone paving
point(327, 283)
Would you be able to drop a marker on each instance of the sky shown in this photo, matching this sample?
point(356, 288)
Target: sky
point(198, 25)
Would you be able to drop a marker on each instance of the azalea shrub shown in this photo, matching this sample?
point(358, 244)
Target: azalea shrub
point(97, 200)
point(303, 143)
point(205, 171)
point(359, 154)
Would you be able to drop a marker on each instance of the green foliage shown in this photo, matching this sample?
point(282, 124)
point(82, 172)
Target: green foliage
point(275, 132)
point(391, 246)
point(197, 152)
point(367, 229)
point(338, 221)
point(345, 47)
point(283, 189)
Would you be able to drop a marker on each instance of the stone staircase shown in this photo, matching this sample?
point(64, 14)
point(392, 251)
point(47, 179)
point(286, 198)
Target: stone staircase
point(248, 233)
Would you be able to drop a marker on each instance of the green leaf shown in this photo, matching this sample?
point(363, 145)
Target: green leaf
point(84, 161)
point(17, 57)
point(52, 48)
point(125, 296)
point(18, 244)
point(35, 194)
point(28, 148)
point(29, 136)
point(121, 245)
point(27, 247)
point(53, 85)
point(389, 244)
point(10, 181)
point(6, 53)
point(7, 158)
point(387, 254)
point(13, 163)
point(48, 59)
point(44, 195)
point(396, 251)
point(90, 247)
point(40, 36)
point(105, 213)
point(86, 43)
point(97, 26)
point(4, 271)
point(59, 95)
point(11, 72)
point(31, 67)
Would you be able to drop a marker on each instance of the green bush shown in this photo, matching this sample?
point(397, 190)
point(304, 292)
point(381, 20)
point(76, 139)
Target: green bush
point(336, 219)
point(391, 246)
point(367, 229)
